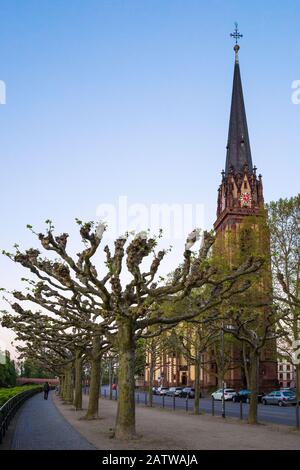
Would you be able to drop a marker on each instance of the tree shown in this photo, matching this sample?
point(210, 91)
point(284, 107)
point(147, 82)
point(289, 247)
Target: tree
point(156, 346)
point(284, 223)
point(125, 312)
point(31, 369)
point(7, 371)
point(63, 335)
point(191, 339)
point(255, 330)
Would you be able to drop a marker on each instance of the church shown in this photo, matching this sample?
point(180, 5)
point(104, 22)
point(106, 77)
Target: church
point(240, 199)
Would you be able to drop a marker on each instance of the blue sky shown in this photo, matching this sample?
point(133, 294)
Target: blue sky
point(109, 98)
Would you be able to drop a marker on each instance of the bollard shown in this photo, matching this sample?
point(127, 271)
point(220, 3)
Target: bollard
point(212, 406)
point(173, 402)
point(241, 408)
point(163, 401)
point(138, 398)
point(297, 415)
point(105, 393)
point(146, 398)
point(187, 403)
point(116, 395)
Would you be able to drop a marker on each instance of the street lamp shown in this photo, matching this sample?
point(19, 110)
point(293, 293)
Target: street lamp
point(222, 366)
point(230, 328)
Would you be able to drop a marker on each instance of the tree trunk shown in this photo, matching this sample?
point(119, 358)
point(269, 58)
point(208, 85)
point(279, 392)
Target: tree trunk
point(67, 393)
point(151, 376)
point(95, 381)
point(62, 386)
point(246, 369)
point(197, 385)
point(298, 381)
point(217, 356)
point(254, 367)
point(78, 382)
point(125, 422)
point(110, 378)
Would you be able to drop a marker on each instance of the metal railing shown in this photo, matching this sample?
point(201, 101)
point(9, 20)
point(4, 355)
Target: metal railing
point(10, 407)
point(174, 402)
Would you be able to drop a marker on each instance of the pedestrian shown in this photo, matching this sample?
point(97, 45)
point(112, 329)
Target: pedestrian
point(46, 390)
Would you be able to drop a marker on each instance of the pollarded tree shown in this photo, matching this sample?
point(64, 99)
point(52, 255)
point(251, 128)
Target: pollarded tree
point(127, 311)
point(255, 330)
point(44, 333)
point(284, 223)
point(191, 340)
point(79, 339)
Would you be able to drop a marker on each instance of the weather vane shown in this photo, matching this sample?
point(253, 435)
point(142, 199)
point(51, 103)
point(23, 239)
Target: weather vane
point(236, 35)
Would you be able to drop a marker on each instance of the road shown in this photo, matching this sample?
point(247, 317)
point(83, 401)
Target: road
point(266, 413)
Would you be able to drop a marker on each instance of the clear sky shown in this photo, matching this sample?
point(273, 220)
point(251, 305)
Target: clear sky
point(131, 97)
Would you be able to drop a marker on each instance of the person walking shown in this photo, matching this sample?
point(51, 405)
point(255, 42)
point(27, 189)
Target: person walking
point(46, 390)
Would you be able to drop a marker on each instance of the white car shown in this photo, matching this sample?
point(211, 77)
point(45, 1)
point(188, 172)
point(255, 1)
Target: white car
point(229, 393)
point(162, 390)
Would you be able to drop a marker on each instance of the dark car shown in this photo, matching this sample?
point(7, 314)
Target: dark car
point(174, 391)
point(187, 391)
point(244, 396)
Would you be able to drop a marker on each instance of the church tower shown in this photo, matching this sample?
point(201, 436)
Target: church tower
point(240, 200)
point(241, 191)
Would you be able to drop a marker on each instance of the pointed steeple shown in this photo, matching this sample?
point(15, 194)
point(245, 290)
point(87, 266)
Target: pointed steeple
point(238, 145)
point(241, 192)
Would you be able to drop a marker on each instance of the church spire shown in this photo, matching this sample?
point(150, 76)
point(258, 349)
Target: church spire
point(238, 146)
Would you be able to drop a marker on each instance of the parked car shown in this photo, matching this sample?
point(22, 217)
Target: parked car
point(155, 391)
point(288, 389)
point(229, 393)
point(162, 390)
point(280, 398)
point(244, 396)
point(188, 391)
point(174, 391)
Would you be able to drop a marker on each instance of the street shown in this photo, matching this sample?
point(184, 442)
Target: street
point(266, 413)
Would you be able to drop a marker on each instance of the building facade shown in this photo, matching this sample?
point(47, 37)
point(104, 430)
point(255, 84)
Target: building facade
point(286, 374)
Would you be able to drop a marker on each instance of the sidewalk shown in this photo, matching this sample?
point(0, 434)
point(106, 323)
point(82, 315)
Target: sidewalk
point(168, 430)
point(40, 426)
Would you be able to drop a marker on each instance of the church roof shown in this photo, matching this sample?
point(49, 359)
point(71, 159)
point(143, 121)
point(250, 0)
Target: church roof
point(238, 145)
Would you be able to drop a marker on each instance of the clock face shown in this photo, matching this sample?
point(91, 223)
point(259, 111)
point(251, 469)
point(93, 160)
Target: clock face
point(245, 199)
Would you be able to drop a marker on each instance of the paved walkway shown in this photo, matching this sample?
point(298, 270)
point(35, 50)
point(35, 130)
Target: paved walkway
point(163, 429)
point(40, 426)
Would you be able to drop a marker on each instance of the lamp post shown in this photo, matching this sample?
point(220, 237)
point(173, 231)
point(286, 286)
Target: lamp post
point(229, 328)
point(222, 366)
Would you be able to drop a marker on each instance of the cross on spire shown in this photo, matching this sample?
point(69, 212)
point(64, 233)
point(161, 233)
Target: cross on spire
point(236, 34)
